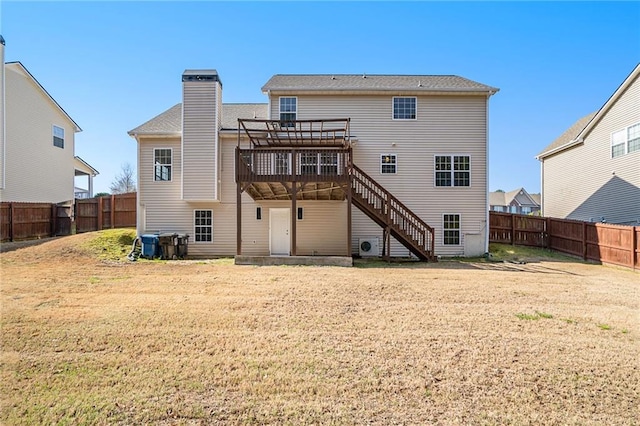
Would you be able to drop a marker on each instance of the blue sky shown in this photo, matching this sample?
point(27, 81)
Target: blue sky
point(114, 65)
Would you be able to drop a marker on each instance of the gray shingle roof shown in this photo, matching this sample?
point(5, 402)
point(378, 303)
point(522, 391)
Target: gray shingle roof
point(569, 134)
point(361, 82)
point(170, 121)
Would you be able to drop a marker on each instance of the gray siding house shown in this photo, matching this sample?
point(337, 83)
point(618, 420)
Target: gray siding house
point(281, 177)
point(592, 171)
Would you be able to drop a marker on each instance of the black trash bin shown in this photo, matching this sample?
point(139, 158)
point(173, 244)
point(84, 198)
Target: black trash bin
point(168, 243)
point(182, 243)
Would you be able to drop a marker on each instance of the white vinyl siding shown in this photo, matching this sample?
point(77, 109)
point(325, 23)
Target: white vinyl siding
point(35, 169)
point(443, 121)
point(200, 140)
point(162, 164)
point(162, 210)
point(612, 189)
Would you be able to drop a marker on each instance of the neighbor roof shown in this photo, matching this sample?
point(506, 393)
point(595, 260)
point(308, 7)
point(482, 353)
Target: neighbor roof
point(170, 122)
point(576, 133)
point(364, 82)
point(498, 198)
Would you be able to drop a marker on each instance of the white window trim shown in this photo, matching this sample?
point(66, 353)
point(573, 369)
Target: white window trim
point(153, 177)
point(626, 140)
point(452, 170)
point(395, 163)
point(194, 226)
point(393, 108)
point(459, 230)
point(286, 112)
point(53, 135)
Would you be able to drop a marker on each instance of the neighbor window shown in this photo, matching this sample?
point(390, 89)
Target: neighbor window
point(625, 141)
point(58, 136)
point(404, 108)
point(452, 170)
point(633, 138)
point(388, 163)
point(162, 164)
point(451, 228)
point(203, 225)
point(288, 111)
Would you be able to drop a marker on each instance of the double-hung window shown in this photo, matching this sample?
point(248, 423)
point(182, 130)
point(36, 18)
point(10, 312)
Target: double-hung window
point(203, 225)
point(625, 141)
point(452, 170)
point(58, 136)
point(633, 138)
point(388, 163)
point(451, 229)
point(162, 164)
point(288, 111)
point(404, 108)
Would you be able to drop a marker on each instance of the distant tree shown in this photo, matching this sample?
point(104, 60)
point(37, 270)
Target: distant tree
point(125, 181)
point(102, 194)
point(499, 190)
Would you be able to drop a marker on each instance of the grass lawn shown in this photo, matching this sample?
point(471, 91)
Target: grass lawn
point(89, 338)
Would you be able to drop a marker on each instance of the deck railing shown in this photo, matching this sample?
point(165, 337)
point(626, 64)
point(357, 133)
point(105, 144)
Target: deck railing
point(385, 209)
point(301, 165)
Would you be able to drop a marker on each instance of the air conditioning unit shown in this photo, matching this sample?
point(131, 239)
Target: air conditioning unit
point(368, 246)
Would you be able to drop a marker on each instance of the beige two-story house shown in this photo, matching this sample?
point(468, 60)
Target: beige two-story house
point(37, 141)
point(592, 171)
point(331, 165)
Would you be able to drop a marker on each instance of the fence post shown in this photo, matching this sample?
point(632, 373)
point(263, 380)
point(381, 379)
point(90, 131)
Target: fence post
point(584, 240)
point(634, 246)
point(100, 214)
point(11, 215)
point(113, 211)
point(513, 229)
point(54, 219)
point(547, 233)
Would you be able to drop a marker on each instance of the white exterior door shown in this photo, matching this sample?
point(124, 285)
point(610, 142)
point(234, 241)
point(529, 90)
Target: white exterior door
point(279, 239)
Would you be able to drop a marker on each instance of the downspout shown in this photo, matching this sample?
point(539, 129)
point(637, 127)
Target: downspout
point(486, 159)
point(541, 187)
point(3, 131)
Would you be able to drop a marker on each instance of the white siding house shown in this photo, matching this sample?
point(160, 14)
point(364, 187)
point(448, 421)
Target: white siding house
point(37, 161)
point(423, 139)
point(592, 171)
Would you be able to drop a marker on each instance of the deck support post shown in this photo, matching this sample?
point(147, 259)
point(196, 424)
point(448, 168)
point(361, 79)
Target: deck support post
point(294, 204)
point(238, 208)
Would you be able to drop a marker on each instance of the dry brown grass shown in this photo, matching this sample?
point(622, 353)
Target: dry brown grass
point(86, 341)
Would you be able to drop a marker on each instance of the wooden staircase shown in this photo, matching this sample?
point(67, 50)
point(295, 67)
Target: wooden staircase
point(392, 216)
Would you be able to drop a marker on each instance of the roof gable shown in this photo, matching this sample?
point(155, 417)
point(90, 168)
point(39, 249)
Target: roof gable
point(578, 131)
point(17, 66)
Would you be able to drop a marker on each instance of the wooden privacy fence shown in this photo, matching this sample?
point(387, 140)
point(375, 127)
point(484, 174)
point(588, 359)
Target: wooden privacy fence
point(115, 211)
point(23, 221)
point(616, 244)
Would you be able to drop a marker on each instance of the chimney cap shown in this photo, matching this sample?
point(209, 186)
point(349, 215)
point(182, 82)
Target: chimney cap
point(201, 75)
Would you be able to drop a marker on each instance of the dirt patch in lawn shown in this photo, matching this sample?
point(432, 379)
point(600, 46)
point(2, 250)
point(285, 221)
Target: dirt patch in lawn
point(93, 341)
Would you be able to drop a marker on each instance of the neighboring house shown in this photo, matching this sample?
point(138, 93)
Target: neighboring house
point(84, 171)
point(518, 201)
point(592, 171)
point(37, 147)
point(410, 152)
